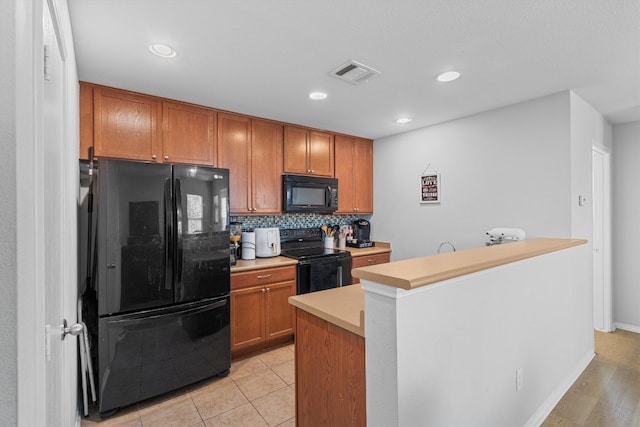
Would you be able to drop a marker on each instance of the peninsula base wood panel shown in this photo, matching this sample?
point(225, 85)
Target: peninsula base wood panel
point(330, 374)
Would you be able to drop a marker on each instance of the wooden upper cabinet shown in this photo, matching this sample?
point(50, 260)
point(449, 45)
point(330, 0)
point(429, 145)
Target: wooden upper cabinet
point(126, 125)
point(252, 150)
point(363, 175)
point(234, 153)
point(295, 150)
point(308, 152)
point(188, 134)
point(321, 153)
point(354, 170)
point(266, 167)
point(86, 120)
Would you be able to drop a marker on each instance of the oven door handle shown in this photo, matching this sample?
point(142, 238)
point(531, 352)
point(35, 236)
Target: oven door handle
point(339, 276)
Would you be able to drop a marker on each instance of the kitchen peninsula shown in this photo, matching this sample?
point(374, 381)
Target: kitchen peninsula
point(446, 337)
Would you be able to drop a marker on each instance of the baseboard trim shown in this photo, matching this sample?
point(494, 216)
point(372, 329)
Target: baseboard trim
point(627, 327)
point(547, 406)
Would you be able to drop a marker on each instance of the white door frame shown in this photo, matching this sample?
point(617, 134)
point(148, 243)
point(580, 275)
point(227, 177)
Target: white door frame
point(602, 251)
point(30, 212)
point(29, 252)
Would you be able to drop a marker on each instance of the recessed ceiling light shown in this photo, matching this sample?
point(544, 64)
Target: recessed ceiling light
point(404, 120)
point(317, 95)
point(448, 76)
point(162, 50)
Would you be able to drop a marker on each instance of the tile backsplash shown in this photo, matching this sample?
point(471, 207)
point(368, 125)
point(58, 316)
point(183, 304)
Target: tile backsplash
point(294, 220)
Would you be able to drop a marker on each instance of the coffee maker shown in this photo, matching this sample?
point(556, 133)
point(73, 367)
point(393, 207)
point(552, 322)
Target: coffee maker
point(361, 234)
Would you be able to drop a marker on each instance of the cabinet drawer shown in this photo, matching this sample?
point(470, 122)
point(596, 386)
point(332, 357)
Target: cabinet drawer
point(260, 277)
point(365, 260)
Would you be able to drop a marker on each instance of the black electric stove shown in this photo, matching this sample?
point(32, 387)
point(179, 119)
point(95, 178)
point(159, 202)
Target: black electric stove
point(318, 268)
point(305, 243)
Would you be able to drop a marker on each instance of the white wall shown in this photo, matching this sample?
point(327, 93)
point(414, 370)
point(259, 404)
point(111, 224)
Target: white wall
point(447, 354)
point(626, 225)
point(508, 167)
point(588, 127)
point(8, 266)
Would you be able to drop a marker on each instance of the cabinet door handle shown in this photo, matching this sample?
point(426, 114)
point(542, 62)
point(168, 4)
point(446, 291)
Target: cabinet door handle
point(371, 260)
point(264, 276)
point(268, 289)
point(153, 156)
point(166, 157)
point(264, 290)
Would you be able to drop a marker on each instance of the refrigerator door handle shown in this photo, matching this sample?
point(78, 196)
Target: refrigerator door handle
point(179, 255)
point(139, 319)
point(168, 235)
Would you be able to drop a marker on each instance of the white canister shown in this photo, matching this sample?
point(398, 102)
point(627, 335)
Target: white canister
point(328, 242)
point(248, 245)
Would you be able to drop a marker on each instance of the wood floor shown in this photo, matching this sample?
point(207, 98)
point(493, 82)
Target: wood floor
point(608, 392)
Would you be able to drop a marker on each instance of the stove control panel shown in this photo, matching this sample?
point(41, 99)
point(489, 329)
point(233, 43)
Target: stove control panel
point(300, 234)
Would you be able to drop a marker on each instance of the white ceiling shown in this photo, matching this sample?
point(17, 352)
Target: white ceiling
point(262, 58)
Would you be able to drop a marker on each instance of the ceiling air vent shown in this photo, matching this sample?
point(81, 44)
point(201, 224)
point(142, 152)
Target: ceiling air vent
point(354, 72)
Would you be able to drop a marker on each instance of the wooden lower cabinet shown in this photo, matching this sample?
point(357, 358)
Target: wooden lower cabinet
point(330, 374)
point(367, 260)
point(260, 310)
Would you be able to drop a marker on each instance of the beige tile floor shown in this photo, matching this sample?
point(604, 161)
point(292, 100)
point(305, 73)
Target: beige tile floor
point(259, 391)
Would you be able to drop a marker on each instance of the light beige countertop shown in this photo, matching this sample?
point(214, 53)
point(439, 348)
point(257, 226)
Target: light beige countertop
point(416, 272)
point(259, 263)
point(280, 261)
point(343, 306)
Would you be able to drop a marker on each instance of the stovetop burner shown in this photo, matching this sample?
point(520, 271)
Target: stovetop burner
point(313, 252)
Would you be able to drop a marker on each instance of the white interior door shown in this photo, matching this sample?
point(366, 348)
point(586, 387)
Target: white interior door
point(46, 188)
point(601, 240)
point(59, 231)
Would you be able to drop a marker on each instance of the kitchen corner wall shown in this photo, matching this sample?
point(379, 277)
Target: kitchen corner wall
point(509, 167)
point(626, 225)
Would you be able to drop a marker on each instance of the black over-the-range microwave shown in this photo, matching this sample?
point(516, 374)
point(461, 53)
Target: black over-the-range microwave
point(301, 193)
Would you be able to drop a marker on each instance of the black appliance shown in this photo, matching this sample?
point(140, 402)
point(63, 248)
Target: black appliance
point(301, 193)
point(157, 300)
point(318, 268)
point(361, 234)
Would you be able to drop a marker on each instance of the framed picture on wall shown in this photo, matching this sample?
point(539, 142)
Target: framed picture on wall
point(430, 186)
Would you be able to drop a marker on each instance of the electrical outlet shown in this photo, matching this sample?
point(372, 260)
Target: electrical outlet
point(519, 379)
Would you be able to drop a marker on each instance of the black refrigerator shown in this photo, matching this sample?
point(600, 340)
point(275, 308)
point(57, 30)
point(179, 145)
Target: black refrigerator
point(156, 300)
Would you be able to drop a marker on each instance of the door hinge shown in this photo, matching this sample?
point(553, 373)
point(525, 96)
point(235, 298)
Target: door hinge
point(47, 74)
